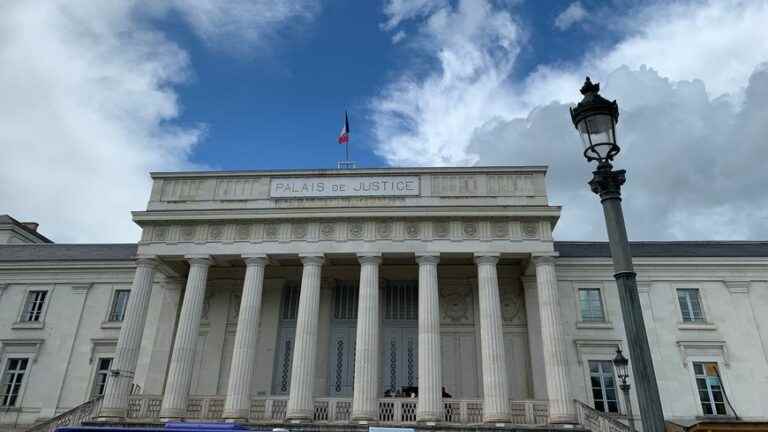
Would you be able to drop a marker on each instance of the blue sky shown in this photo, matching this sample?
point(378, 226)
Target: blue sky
point(98, 94)
point(283, 108)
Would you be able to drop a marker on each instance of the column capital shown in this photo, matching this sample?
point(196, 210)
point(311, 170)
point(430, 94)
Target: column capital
point(204, 260)
point(369, 258)
point(146, 261)
point(544, 258)
point(487, 258)
point(428, 258)
point(312, 259)
point(255, 259)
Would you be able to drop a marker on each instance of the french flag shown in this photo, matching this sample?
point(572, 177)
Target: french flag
point(344, 135)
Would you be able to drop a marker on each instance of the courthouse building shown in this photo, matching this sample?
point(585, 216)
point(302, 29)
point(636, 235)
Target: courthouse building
point(425, 296)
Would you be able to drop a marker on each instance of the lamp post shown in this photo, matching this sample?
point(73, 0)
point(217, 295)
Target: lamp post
point(595, 118)
point(621, 363)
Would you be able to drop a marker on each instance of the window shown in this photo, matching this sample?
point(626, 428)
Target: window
point(710, 388)
point(119, 304)
point(345, 298)
point(591, 304)
point(690, 304)
point(603, 385)
point(33, 307)
point(289, 309)
point(401, 300)
point(100, 380)
point(10, 386)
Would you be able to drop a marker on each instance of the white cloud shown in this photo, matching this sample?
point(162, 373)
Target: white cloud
point(88, 109)
point(243, 24)
point(398, 11)
point(422, 121)
point(692, 153)
point(574, 13)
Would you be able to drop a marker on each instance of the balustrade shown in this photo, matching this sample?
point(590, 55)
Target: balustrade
point(339, 410)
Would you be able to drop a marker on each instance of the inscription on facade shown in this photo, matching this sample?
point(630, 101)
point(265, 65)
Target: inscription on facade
point(344, 186)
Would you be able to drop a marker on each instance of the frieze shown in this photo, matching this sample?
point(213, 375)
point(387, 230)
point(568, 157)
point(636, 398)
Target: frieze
point(343, 230)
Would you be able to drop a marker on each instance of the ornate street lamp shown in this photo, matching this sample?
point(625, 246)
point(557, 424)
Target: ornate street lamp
point(621, 364)
point(595, 118)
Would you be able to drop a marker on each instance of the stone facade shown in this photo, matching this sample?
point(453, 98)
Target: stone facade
point(256, 292)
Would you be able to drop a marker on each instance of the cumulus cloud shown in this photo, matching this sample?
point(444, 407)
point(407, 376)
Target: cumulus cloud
point(691, 131)
point(574, 13)
point(88, 109)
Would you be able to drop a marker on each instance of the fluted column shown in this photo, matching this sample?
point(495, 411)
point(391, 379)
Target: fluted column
point(430, 404)
point(561, 409)
point(115, 403)
point(495, 385)
point(365, 400)
point(182, 358)
point(300, 400)
point(238, 403)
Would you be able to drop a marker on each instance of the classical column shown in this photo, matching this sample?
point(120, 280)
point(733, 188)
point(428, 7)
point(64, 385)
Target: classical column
point(365, 401)
point(430, 404)
point(115, 403)
point(495, 385)
point(300, 400)
point(561, 409)
point(188, 330)
point(238, 403)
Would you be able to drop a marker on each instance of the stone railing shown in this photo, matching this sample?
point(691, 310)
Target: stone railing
point(339, 410)
point(75, 416)
point(598, 421)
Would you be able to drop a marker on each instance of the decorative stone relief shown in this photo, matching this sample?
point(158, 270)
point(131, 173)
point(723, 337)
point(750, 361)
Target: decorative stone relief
point(188, 232)
point(455, 185)
point(500, 229)
point(470, 229)
point(206, 306)
point(271, 231)
point(234, 308)
point(356, 230)
point(530, 230)
point(328, 231)
point(242, 232)
point(456, 301)
point(181, 190)
point(510, 185)
point(384, 229)
point(241, 189)
point(412, 230)
point(216, 232)
point(161, 233)
point(441, 229)
point(511, 302)
point(299, 230)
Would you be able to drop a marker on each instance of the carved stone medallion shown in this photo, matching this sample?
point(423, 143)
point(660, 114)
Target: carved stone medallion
point(243, 232)
point(356, 230)
point(384, 229)
point(530, 230)
point(500, 229)
point(161, 233)
point(271, 231)
point(328, 231)
point(299, 230)
point(470, 229)
point(216, 232)
point(441, 229)
point(412, 230)
point(188, 232)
